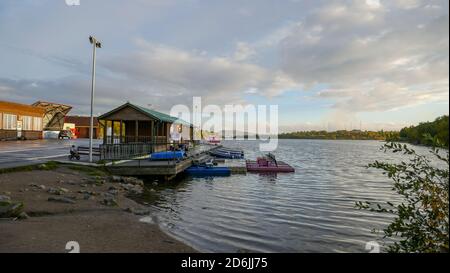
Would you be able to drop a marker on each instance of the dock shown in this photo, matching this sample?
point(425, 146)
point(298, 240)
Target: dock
point(170, 168)
point(236, 166)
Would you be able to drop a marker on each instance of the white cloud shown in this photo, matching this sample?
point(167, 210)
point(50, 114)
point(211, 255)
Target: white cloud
point(372, 55)
point(171, 70)
point(382, 65)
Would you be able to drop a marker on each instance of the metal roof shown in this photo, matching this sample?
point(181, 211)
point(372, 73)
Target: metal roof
point(54, 115)
point(151, 113)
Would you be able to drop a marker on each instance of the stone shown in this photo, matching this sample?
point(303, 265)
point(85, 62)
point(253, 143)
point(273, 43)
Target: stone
point(130, 210)
point(87, 196)
point(10, 209)
point(140, 212)
point(114, 192)
point(133, 189)
point(63, 190)
point(155, 184)
point(23, 216)
point(4, 198)
point(109, 201)
point(57, 191)
point(116, 179)
point(133, 181)
point(87, 192)
point(61, 199)
point(37, 187)
point(54, 191)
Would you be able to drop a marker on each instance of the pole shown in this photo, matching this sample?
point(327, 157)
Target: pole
point(91, 128)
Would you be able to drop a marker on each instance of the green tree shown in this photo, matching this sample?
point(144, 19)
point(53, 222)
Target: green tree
point(421, 221)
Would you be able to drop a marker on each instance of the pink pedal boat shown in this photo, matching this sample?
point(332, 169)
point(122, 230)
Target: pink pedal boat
point(268, 164)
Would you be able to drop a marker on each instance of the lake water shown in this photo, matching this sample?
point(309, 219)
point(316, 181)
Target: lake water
point(311, 210)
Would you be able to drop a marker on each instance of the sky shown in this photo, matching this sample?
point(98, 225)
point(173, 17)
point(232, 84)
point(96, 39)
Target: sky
point(328, 65)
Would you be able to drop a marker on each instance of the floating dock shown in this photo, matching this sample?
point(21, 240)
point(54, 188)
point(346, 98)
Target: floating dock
point(236, 166)
point(170, 168)
point(167, 168)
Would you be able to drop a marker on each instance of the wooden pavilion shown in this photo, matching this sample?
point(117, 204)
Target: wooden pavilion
point(130, 124)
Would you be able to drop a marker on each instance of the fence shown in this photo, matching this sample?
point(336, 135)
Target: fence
point(131, 150)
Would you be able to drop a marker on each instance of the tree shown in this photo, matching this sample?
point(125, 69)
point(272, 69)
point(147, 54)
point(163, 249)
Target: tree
point(421, 222)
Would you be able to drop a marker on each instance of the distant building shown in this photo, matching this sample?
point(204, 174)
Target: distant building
point(55, 113)
point(81, 126)
point(20, 121)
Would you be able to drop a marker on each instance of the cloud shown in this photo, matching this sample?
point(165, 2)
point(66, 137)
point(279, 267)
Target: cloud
point(354, 56)
point(169, 70)
point(385, 64)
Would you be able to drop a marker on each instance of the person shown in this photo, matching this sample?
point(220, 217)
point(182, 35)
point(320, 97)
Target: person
point(74, 151)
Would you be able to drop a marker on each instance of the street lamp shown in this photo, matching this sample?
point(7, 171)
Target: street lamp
point(96, 44)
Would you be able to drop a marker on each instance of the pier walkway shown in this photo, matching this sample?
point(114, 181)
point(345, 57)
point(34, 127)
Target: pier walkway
point(168, 168)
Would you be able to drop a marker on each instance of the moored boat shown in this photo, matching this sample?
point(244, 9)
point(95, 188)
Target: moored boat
point(169, 155)
point(213, 140)
point(227, 153)
point(268, 164)
point(208, 171)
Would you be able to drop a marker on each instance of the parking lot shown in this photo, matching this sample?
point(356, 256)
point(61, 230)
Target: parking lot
point(21, 153)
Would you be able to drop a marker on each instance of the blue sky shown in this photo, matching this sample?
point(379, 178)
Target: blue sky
point(327, 64)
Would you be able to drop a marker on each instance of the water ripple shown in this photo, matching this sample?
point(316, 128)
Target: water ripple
point(312, 210)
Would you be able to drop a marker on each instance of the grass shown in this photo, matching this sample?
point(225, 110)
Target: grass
point(51, 165)
point(91, 171)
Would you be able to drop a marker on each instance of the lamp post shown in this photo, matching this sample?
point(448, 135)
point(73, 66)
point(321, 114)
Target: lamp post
point(96, 44)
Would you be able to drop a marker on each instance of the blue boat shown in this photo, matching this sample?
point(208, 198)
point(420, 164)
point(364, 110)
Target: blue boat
point(169, 155)
point(208, 171)
point(227, 153)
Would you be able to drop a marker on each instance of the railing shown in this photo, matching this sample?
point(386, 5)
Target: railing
point(130, 139)
point(122, 151)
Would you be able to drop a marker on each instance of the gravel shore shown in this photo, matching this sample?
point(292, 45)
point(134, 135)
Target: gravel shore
point(85, 205)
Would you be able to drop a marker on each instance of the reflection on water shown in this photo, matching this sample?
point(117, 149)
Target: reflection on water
point(312, 210)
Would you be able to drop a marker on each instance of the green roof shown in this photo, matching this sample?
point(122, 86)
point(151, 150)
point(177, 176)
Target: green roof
point(151, 113)
point(162, 116)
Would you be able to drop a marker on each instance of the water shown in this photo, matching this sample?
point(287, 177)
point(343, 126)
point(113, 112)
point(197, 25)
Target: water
point(312, 210)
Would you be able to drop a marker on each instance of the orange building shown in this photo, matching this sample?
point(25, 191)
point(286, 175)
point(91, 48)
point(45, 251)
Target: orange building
point(20, 121)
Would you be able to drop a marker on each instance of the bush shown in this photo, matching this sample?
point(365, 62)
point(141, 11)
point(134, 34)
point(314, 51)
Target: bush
point(422, 218)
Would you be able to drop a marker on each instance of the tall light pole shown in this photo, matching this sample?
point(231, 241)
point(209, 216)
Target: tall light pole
point(96, 44)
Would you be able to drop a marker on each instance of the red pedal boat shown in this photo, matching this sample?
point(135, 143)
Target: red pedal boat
point(268, 164)
point(213, 140)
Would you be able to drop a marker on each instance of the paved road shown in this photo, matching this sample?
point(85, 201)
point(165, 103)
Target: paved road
point(20, 153)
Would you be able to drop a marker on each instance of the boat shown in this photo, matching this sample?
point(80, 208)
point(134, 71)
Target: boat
point(213, 140)
point(268, 164)
point(227, 153)
point(208, 171)
point(169, 155)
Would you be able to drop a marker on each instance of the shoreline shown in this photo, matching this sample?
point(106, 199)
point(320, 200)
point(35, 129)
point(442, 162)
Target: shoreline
point(63, 203)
